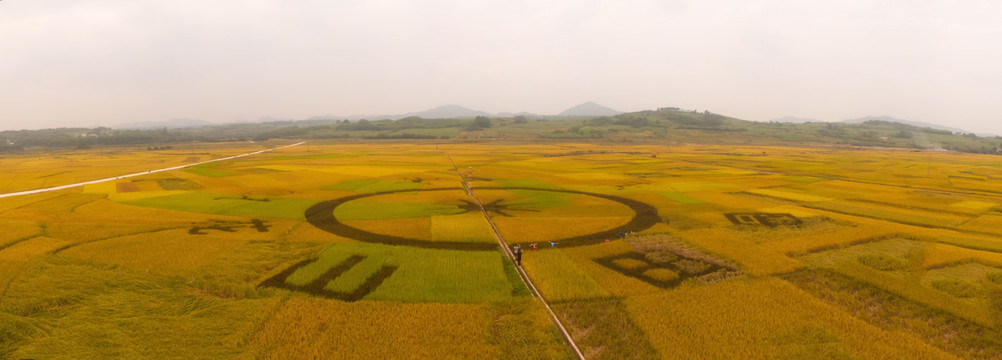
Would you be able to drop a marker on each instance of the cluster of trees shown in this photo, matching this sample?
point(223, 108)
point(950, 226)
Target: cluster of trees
point(623, 120)
point(412, 122)
point(84, 138)
point(638, 125)
point(479, 123)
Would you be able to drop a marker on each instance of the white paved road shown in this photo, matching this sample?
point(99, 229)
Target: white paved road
point(61, 187)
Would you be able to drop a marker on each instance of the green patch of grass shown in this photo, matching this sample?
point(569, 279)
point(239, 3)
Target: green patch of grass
point(531, 199)
point(680, 197)
point(209, 170)
point(354, 277)
point(229, 204)
point(518, 287)
point(374, 186)
point(423, 275)
point(558, 278)
point(370, 210)
point(958, 288)
point(882, 262)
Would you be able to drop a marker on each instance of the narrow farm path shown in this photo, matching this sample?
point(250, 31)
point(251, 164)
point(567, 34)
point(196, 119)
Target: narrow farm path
point(61, 187)
point(521, 273)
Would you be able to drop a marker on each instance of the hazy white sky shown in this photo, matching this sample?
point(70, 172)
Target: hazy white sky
point(105, 62)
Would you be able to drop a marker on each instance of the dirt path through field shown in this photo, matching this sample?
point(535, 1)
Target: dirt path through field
point(61, 187)
point(521, 273)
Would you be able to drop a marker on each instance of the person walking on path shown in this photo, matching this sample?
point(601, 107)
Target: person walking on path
point(553, 244)
point(518, 255)
point(533, 246)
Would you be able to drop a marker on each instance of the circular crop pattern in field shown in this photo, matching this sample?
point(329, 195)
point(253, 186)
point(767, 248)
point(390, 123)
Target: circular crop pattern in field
point(375, 217)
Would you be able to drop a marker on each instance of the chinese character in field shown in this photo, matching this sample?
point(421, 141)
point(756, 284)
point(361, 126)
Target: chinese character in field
point(229, 226)
point(767, 219)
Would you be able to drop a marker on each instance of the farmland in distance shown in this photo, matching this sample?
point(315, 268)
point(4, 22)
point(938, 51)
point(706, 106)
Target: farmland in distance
point(378, 250)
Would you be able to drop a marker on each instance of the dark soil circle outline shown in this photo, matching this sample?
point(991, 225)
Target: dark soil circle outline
point(322, 216)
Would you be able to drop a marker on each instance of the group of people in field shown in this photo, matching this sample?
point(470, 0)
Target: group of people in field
point(517, 249)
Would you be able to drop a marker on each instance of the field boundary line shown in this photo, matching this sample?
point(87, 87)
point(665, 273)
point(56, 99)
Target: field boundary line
point(518, 268)
point(62, 187)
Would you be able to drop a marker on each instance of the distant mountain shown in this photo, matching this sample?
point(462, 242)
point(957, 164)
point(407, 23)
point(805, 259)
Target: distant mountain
point(522, 113)
point(446, 112)
point(170, 124)
point(794, 120)
point(325, 117)
point(589, 109)
point(907, 122)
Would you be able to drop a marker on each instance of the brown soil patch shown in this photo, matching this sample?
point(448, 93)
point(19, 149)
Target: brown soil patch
point(126, 187)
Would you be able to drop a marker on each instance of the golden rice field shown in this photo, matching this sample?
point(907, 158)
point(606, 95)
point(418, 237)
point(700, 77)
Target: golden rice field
point(377, 251)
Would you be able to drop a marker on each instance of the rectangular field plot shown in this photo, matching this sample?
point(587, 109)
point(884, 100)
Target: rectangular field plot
point(890, 213)
point(896, 266)
point(765, 318)
point(420, 275)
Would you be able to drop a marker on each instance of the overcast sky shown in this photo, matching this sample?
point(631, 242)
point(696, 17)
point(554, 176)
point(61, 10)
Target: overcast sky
point(106, 62)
